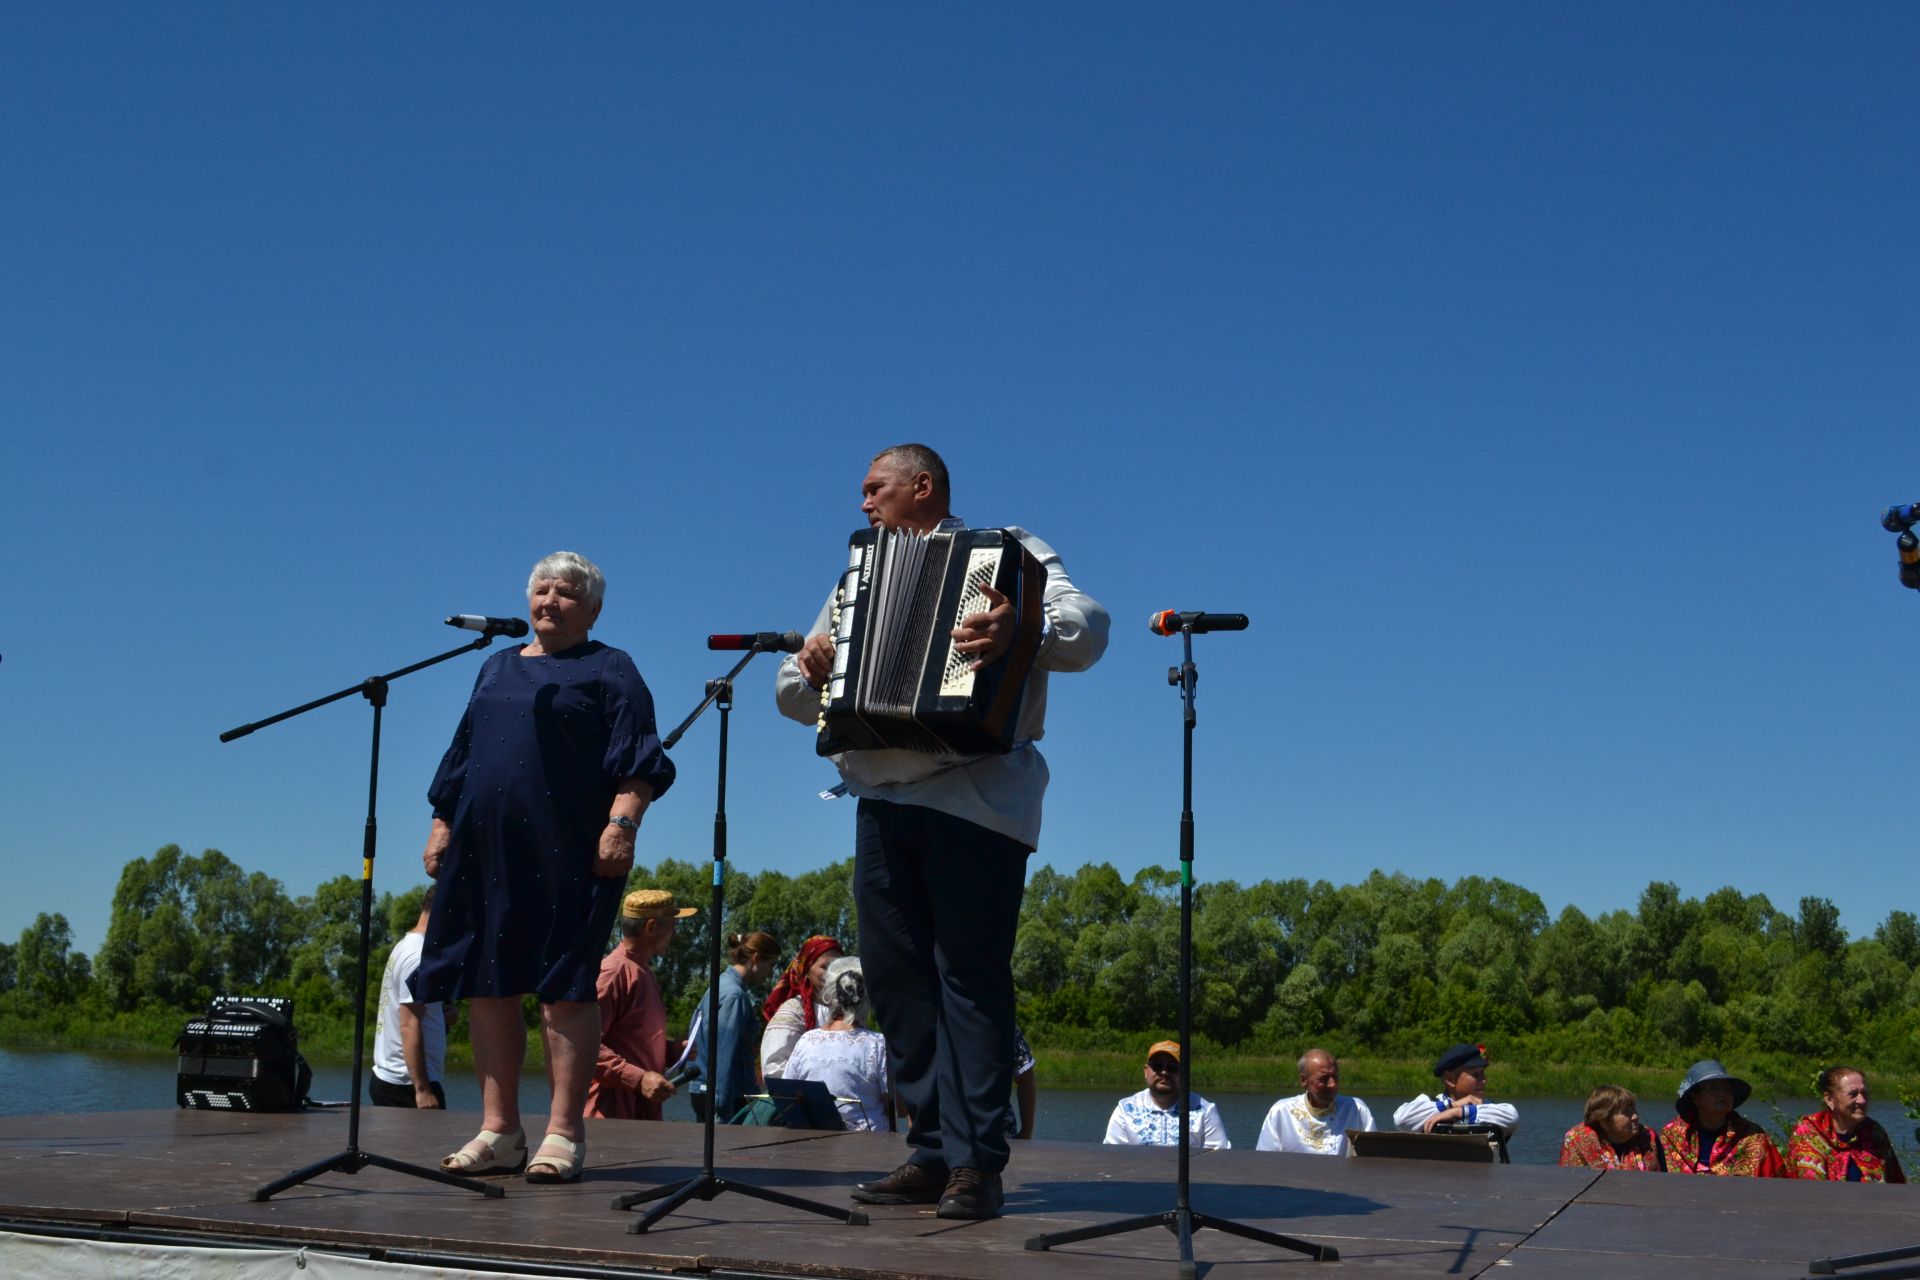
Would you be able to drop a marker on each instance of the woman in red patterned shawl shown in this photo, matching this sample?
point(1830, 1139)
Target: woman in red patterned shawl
point(1612, 1137)
point(1711, 1136)
point(1840, 1144)
point(793, 1007)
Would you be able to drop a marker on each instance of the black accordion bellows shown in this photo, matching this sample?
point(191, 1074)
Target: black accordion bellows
point(897, 680)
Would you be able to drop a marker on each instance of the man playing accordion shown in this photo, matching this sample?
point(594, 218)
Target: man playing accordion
point(940, 858)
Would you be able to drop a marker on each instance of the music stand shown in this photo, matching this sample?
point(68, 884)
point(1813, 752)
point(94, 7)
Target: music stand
point(1182, 1219)
point(353, 1159)
point(1457, 1148)
point(1495, 1136)
point(707, 1185)
point(807, 1101)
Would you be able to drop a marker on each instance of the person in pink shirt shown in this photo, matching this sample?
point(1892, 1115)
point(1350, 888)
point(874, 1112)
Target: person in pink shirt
point(629, 1081)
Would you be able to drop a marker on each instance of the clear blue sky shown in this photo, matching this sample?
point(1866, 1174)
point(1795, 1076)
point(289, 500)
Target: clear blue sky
point(1533, 375)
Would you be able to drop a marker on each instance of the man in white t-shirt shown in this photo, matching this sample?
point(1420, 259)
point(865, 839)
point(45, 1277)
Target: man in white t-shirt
point(1316, 1120)
point(410, 1044)
point(1151, 1117)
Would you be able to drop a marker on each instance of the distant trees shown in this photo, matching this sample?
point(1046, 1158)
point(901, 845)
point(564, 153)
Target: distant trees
point(1391, 965)
point(186, 929)
point(46, 970)
point(1395, 965)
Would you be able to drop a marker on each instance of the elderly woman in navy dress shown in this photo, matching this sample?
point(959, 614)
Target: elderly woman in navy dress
point(535, 810)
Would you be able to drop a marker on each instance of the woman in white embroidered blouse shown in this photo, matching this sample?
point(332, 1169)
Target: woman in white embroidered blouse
point(843, 1055)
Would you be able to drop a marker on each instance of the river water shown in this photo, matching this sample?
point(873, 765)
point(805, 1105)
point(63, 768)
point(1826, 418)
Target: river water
point(34, 1081)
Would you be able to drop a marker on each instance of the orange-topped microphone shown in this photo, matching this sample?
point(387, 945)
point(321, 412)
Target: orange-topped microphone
point(1171, 622)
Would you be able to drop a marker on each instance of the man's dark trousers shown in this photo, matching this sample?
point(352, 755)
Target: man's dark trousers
point(939, 901)
point(384, 1093)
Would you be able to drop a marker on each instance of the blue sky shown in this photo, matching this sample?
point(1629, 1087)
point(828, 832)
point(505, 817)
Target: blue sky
point(1533, 375)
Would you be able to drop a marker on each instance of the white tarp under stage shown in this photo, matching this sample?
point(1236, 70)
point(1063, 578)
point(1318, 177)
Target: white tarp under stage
point(65, 1258)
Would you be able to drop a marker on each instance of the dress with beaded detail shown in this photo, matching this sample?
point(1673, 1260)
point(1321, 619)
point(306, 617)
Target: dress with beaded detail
point(526, 786)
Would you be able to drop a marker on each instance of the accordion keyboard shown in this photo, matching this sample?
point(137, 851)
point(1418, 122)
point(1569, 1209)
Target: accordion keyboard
point(957, 677)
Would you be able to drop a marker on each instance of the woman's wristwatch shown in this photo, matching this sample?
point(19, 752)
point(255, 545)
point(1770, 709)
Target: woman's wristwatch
point(623, 822)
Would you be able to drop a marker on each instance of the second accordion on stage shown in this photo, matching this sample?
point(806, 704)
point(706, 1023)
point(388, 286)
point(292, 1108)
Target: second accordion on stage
point(897, 679)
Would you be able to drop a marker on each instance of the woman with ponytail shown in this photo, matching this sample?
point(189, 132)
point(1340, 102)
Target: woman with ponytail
point(753, 957)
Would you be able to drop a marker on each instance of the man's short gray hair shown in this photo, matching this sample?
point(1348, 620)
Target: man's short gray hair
point(572, 567)
point(917, 458)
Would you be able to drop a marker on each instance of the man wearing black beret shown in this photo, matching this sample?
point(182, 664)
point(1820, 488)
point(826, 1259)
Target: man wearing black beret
point(1462, 1098)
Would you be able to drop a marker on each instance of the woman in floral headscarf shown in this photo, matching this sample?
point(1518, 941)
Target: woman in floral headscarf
point(1611, 1136)
point(793, 1007)
point(1840, 1143)
point(1711, 1136)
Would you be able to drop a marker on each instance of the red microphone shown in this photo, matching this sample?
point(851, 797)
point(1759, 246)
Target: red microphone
point(1170, 622)
point(760, 641)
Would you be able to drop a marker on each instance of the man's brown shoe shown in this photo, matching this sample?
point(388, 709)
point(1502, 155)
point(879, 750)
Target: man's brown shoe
point(909, 1184)
point(971, 1193)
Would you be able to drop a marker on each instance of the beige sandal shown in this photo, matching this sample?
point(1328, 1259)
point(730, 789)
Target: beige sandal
point(552, 1168)
point(490, 1155)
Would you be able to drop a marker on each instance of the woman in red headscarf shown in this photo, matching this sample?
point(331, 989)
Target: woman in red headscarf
point(793, 1007)
point(1842, 1143)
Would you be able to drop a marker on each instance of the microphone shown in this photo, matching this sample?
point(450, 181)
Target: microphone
point(760, 641)
point(488, 626)
point(1169, 622)
point(1900, 518)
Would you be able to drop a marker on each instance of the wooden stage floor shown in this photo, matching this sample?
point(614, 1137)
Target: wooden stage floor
point(181, 1173)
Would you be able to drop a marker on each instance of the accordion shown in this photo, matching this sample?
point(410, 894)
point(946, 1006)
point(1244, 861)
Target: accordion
point(897, 680)
point(241, 1055)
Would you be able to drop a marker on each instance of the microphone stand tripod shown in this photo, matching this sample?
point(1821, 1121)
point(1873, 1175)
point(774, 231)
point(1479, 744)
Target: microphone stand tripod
point(1182, 1219)
point(707, 1185)
point(353, 1159)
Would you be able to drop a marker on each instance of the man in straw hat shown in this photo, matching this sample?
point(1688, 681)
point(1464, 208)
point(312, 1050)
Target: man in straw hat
point(1710, 1135)
point(628, 1075)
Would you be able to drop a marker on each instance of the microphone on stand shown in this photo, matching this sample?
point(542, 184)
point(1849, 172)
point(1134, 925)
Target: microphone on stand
point(1909, 560)
point(1169, 622)
point(760, 641)
point(1900, 518)
point(488, 626)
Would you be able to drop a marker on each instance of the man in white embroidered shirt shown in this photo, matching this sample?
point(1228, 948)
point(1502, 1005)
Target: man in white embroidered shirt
point(940, 864)
point(1151, 1117)
point(1316, 1120)
point(1462, 1099)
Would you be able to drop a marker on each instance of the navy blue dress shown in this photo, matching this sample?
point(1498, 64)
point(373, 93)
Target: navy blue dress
point(526, 786)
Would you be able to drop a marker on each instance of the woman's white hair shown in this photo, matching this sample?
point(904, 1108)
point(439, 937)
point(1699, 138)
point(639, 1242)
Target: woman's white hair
point(570, 566)
point(844, 991)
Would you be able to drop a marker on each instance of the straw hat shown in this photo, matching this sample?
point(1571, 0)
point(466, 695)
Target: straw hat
point(653, 904)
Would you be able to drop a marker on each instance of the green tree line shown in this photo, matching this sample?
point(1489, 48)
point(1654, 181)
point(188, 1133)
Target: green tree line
point(1390, 967)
